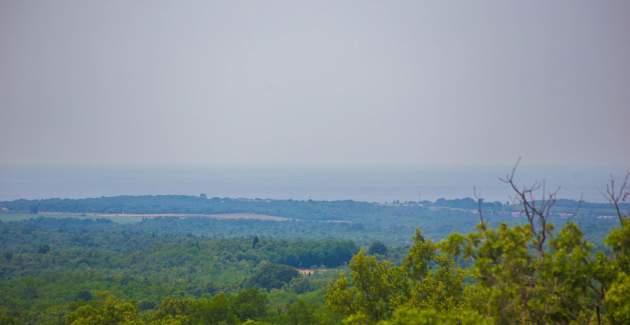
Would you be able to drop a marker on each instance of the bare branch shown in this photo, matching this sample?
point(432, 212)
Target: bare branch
point(479, 206)
point(537, 211)
point(615, 196)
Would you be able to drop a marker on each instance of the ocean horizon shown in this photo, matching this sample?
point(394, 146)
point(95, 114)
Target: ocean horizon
point(361, 184)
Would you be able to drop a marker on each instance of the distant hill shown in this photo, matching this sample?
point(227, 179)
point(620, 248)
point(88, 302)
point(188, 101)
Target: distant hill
point(309, 209)
point(392, 223)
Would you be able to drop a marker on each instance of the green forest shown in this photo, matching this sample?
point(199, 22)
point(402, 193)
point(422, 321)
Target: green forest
point(89, 274)
point(393, 223)
point(553, 262)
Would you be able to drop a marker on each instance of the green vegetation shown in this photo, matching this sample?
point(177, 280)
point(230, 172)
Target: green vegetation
point(362, 222)
point(525, 274)
point(195, 270)
point(49, 265)
point(272, 276)
point(490, 276)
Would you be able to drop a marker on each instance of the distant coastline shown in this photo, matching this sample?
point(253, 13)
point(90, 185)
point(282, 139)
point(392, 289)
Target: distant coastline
point(359, 184)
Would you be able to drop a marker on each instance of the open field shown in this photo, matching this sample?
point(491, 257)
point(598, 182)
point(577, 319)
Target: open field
point(137, 217)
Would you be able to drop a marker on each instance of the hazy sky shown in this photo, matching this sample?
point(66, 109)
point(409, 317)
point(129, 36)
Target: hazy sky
point(291, 83)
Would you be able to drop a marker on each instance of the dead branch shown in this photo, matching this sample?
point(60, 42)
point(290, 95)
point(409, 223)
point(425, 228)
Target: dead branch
point(479, 206)
point(537, 210)
point(616, 196)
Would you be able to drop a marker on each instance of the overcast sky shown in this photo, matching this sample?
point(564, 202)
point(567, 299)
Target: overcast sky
point(290, 83)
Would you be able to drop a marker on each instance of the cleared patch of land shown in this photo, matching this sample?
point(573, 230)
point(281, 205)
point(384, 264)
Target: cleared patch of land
point(136, 217)
point(309, 272)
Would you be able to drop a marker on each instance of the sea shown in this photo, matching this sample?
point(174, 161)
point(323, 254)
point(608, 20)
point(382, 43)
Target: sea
point(374, 184)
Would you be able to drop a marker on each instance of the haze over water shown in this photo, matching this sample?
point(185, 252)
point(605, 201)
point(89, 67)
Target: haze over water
point(367, 184)
point(268, 88)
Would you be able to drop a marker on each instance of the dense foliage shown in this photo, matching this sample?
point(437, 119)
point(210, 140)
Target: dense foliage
point(49, 263)
point(171, 270)
point(491, 276)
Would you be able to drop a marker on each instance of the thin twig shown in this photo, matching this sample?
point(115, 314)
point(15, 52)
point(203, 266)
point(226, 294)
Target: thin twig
point(479, 206)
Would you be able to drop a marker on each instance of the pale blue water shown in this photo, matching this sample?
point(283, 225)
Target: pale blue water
point(368, 184)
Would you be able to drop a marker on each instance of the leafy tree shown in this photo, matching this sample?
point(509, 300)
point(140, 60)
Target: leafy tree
point(373, 294)
point(494, 275)
point(217, 310)
point(300, 313)
point(105, 311)
point(6, 318)
point(377, 247)
point(250, 304)
point(410, 315)
point(618, 300)
point(272, 276)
